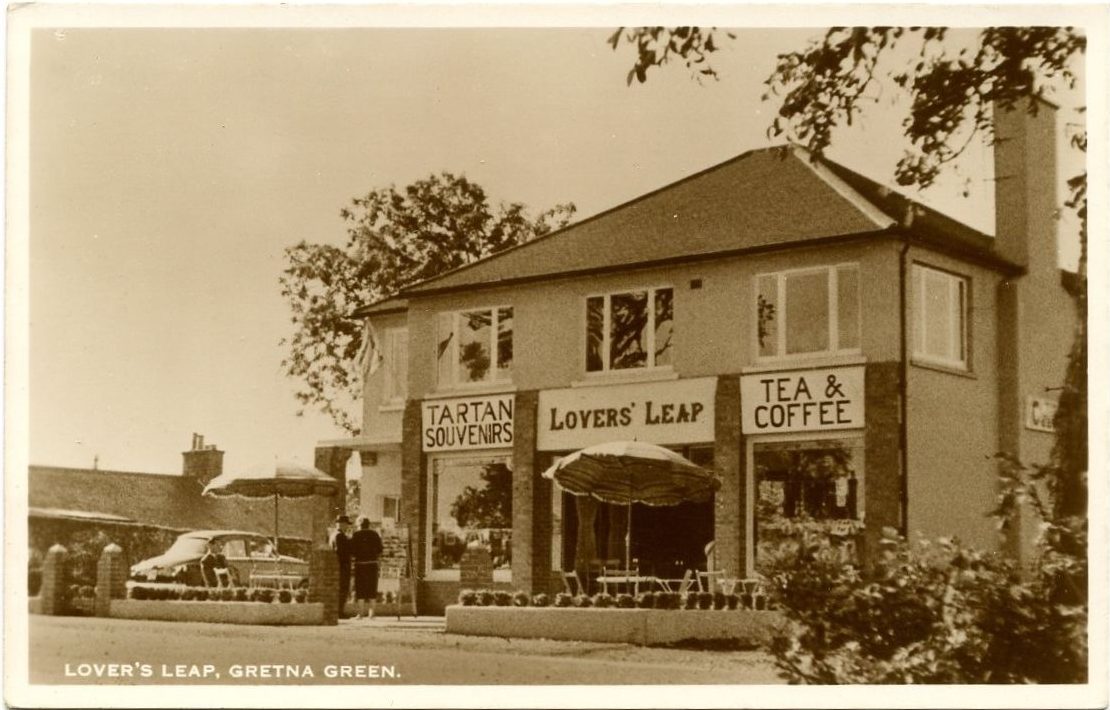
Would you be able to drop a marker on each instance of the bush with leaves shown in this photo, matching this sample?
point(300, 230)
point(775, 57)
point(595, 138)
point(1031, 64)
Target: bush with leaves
point(468, 597)
point(603, 600)
point(541, 600)
point(521, 599)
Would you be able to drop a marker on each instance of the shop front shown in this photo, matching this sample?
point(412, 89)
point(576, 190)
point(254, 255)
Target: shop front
point(587, 534)
point(467, 442)
point(804, 443)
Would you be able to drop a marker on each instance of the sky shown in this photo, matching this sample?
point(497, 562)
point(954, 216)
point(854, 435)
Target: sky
point(170, 168)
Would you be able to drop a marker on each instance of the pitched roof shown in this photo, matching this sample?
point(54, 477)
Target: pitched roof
point(390, 304)
point(762, 199)
point(164, 500)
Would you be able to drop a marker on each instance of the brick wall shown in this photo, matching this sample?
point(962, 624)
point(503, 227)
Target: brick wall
point(531, 501)
point(414, 489)
point(883, 489)
point(730, 513)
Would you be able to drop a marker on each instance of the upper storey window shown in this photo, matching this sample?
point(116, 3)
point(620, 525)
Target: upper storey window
point(396, 361)
point(629, 330)
point(475, 347)
point(940, 317)
point(808, 312)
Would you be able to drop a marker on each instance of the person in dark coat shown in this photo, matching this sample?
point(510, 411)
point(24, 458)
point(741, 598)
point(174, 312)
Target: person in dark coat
point(342, 545)
point(366, 551)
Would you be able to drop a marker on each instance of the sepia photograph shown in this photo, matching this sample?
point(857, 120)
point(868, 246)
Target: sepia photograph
point(552, 356)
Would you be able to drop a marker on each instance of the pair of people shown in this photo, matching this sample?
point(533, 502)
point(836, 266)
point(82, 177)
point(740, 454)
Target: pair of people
point(360, 551)
point(213, 566)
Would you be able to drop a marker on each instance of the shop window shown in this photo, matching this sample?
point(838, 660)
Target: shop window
point(475, 347)
point(808, 312)
point(630, 330)
point(396, 365)
point(472, 504)
point(806, 480)
point(391, 508)
point(940, 317)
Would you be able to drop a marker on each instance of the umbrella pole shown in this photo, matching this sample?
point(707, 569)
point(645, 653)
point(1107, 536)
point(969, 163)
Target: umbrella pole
point(628, 538)
point(275, 524)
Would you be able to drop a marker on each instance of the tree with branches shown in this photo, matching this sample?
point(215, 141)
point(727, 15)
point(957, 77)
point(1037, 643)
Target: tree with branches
point(395, 237)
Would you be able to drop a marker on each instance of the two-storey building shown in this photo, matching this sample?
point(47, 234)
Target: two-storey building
point(826, 345)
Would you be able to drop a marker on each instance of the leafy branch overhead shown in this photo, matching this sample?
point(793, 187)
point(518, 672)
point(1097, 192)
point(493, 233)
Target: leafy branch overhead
point(395, 237)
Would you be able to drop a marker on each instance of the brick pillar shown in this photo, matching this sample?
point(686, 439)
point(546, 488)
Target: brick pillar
point(531, 502)
point(475, 569)
point(111, 578)
point(883, 485)
point(730, 523)
point(323, 583)
point(414, 489)
point(55, 580)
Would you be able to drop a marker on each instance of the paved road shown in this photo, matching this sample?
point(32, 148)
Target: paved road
point(414, 654)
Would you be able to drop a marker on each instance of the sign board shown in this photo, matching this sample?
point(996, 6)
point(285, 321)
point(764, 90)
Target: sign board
point(671, 412)
point(467, 423)
point(824, 399)
point(1039, 414)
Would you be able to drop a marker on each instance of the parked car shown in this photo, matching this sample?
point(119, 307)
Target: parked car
point(250, 556)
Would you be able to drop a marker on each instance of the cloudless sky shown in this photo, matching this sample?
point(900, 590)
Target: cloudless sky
point(170, 168)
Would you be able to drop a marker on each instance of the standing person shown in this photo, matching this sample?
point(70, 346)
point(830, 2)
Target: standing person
point(213, 566)
point(366, 550)
point(342, 544)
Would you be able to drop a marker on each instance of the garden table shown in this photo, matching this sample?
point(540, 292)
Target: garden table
point(633, 581)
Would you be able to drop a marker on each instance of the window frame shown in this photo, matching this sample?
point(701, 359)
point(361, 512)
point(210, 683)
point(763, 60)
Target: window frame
point(917, 315)
point(606, 325)
point(833, 298)
point(396, 517)
point(389, 397)
point(491, 380)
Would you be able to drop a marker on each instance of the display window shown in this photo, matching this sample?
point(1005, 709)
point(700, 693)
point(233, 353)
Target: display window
point(471, 499)
point(804, 479)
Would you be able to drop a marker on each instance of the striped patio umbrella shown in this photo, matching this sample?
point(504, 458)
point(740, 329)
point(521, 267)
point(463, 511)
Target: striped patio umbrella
point(278, 479)
point(627, 472)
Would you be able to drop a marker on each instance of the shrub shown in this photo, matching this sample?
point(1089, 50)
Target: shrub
point(626, 601)
point(300, 596)
point(719, 600)
point(733, 602)
point(389, 598)
point(285, 596)
point(521, 599)
point(541, 599)
point(502, 598)
point(266, 596)
point(563, 600)
point(242, 594)
point(672, 600)
point(603, 600)
point(690, 600)
point(705, 600)
point(136, 593)
point(583, 602)
point(645, 600)
point(485, 597)
point(468, 597)
point(227, 595)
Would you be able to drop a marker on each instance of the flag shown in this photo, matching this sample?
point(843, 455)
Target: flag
point(370, 354)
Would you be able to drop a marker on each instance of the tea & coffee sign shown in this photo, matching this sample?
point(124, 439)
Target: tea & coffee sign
point(467, 423)
point(672, 412)
point(803, 400)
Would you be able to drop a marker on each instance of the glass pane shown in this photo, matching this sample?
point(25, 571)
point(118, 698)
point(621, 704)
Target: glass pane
point(807, 312)
point(474, 344)
point(938, 327)
point(472, 505)
point(628, 330)
point(847, 306)
point(445, 334)
point(664, 326)
point(595, 334)
point(767, 304)
point(504, 343)
point(959, 336)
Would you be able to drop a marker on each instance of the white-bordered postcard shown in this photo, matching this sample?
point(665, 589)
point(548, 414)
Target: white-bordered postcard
point(536, 355)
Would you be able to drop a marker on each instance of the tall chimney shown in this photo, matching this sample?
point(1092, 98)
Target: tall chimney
point(1027, 202)
point(202, 463)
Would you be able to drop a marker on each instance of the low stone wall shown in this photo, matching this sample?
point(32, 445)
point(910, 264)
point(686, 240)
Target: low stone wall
point(646, 627)
point(220, 612)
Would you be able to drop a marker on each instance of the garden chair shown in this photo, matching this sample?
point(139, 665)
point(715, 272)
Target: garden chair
point(630, 578)
point(681, 586)
point(573, 584)
point(711, 580)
